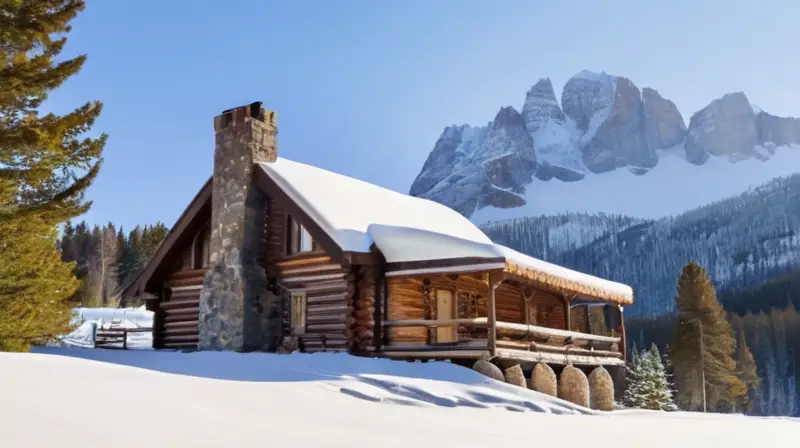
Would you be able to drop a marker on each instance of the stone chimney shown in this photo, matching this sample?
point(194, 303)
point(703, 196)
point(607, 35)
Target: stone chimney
point(237, 310)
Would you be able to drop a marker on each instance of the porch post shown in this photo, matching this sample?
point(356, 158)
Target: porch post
point(567, 317)
point(495, 278)
point(621, 334)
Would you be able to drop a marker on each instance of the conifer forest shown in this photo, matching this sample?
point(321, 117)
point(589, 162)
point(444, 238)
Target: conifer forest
point(750, 246)
point(107, 258)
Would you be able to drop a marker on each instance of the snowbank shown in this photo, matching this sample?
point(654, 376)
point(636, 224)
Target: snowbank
point(145, 398)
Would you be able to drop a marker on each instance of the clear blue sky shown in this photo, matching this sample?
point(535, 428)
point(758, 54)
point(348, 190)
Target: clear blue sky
point(364, 87)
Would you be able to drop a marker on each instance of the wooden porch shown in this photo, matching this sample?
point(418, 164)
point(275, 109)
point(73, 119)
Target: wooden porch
point(508, 343)
point(512, 343)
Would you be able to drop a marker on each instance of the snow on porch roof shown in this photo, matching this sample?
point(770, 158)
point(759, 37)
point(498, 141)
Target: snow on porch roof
point(357, 214)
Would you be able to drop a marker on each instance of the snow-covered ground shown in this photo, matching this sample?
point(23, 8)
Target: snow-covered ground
point(71, 397)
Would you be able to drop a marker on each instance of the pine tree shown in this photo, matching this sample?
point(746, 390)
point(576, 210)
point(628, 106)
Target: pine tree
point(746, 370)
point(703, 346)
point(35, 285)
point(648, 385)
point(45, 165)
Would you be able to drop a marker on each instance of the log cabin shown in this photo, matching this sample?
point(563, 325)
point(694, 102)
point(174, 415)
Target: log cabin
point(279, 256)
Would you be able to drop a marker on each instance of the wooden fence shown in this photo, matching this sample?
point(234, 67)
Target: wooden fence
point(112, 337)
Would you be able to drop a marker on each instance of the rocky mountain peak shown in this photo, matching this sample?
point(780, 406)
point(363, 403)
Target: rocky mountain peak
point(508, 117)
point(603, 123)
point(541, 105)
point(586, 94)
point(664, 125)
point(725, 128)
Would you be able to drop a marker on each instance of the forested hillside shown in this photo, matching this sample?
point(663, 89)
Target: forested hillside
point(748, 243)
point(107, 258)
point(743, 242)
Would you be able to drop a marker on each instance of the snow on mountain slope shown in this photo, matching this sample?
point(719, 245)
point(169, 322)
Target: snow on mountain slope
point(672, 187)
point(134, 399)
point(606, 147)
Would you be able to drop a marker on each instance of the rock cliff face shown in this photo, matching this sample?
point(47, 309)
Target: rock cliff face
point(602, 123)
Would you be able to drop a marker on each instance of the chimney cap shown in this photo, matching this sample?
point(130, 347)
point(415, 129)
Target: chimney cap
point(240, 114)
point(252, 110)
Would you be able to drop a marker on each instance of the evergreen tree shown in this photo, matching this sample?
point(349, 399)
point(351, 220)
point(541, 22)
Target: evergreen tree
point(67, 241)
point(45, 165)
point(703, 346)
point(746, 369)
point(648, 385)
point(35, 285)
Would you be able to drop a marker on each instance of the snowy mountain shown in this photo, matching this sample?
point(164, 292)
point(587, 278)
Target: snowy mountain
point(607, 146)
point(743, 241)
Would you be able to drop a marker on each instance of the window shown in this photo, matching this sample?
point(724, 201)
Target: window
point(200, 246)
point(297, 238)
point(298, 312)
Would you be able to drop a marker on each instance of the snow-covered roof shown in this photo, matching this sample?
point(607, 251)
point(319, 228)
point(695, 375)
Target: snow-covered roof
point(356, 214)
point(564, 279)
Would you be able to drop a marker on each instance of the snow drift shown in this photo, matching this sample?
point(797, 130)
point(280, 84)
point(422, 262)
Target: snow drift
point(80, 398)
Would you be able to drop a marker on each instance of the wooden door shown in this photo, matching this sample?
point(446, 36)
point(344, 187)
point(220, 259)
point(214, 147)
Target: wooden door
point(445, 309)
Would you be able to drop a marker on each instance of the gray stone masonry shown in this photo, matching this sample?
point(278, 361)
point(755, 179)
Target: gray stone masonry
point(237, 310)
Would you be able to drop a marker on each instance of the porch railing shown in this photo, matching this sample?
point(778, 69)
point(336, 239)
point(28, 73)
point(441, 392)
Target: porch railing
point(536, 338)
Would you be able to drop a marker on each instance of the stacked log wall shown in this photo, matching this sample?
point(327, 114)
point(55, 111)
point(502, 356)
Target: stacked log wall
point(549, 309)
point(362, 308)
point(415, 298)
point(176, 325)
point(405, 299)
point(329, 290)
point(275, 234)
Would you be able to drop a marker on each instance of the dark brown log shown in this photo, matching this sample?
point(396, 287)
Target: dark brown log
point(365, 313)
point(188, 338)
point(181, 324)
point(185, 331)
point(187, 274)
point(326, 298)
point(181, 311)
point(182, 303)
point(181, 318)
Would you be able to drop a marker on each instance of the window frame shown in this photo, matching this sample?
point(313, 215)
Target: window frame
point(296, 235)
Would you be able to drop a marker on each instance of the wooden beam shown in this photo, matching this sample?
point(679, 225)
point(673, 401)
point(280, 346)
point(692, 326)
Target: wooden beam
point(444, 354)
point(621, 332)
point(557, 358)
point(567, 314)
point(547, 332)
point(495, 278)
point(476, 322)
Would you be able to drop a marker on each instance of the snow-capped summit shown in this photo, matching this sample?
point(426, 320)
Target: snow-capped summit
point(603, 126)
